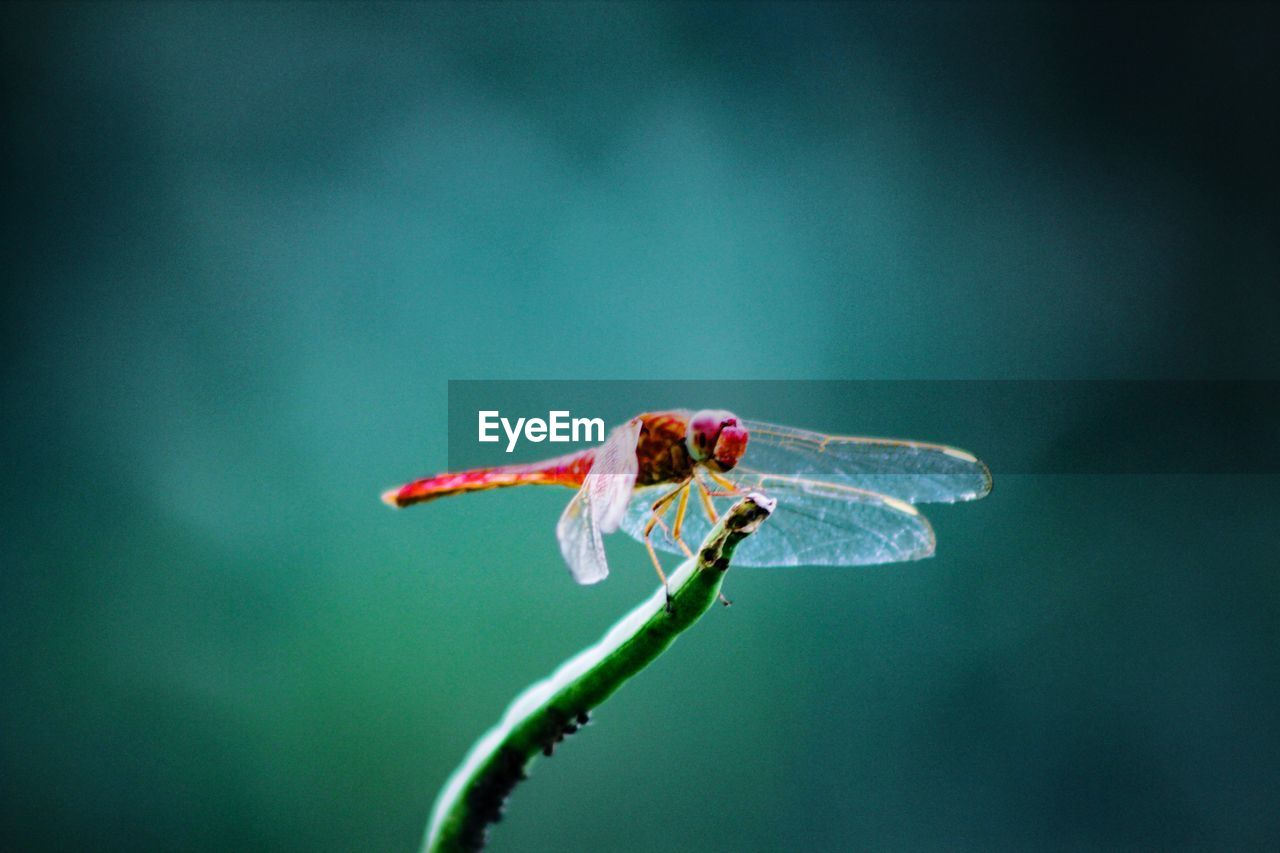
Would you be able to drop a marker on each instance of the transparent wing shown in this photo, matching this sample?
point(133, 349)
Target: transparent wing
point(580, 542)
point(613, 474)
point(598, 506)
point(815, 524)
point(911, 471)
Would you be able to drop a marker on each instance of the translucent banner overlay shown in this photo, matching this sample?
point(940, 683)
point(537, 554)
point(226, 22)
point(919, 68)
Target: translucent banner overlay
point(1015, 426)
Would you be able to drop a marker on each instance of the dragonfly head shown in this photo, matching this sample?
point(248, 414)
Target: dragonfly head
point(717, 438)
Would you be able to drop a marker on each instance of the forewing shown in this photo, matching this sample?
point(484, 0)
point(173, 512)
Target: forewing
point(613, 475)
point(598, 506)
point(911, 471)
point(815, 524)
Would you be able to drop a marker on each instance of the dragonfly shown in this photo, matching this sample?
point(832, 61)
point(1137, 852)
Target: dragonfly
point(841, 500)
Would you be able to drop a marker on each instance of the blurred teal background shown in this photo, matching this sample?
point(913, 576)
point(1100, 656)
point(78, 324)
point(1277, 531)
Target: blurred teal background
point(246, 246)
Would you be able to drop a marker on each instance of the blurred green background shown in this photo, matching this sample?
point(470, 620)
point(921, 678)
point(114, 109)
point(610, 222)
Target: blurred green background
point(246, 245)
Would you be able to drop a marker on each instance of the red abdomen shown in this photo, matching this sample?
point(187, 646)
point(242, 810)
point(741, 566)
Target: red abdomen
point(660, 452)
point(568, 470)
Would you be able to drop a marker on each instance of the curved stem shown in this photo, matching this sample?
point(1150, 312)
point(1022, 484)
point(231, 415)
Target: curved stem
point(545, 712)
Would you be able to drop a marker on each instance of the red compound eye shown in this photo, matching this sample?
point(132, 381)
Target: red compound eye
point(715, 434)
point(731, 444)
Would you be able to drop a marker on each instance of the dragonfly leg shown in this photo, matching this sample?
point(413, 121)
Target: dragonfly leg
point(680, 509)
point(657, 564)
point(675, 539)
point(708, 505)
point(722, 482)
point(729, 488)
point(659, 509)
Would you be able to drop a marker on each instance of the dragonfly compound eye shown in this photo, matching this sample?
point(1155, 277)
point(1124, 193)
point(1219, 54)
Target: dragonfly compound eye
point(716, 436)
point(703, 431)
point(730, 444)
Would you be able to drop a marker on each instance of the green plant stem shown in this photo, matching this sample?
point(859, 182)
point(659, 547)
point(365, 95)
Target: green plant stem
point(545, 712)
